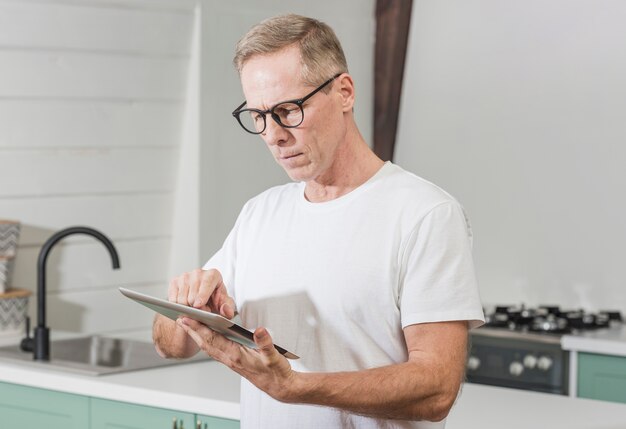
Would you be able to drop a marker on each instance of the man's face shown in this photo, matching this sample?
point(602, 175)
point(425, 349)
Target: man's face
point(308, 151)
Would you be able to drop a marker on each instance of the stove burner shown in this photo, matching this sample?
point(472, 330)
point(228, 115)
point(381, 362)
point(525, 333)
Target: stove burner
point(550, 323)
point(549, 319)
point(550, 309)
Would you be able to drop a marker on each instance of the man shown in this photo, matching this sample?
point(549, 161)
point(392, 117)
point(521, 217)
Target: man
point(360, 268)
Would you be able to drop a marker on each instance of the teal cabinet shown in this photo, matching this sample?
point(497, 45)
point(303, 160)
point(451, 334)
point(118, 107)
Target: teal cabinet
point(32, 408)
point(208, 422)
point(112, 414)
point(602, 377)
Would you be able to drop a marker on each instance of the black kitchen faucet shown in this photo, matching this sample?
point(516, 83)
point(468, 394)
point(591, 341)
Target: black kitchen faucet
point(40, 343)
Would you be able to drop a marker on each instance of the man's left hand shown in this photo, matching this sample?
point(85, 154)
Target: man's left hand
point(264, 367)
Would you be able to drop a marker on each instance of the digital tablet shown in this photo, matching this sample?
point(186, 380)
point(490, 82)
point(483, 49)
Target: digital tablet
point(214, 321)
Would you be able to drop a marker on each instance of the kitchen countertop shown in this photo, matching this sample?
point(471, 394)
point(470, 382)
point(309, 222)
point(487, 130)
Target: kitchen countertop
point(604, 341)
point(199, 387)
point(204, 387)
point(489, 407)
point(210, 388)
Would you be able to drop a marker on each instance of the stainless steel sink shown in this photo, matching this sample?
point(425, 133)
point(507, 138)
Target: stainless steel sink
point(96, 355)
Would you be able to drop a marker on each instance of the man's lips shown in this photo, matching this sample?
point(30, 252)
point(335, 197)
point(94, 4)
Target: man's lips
point(290, 156)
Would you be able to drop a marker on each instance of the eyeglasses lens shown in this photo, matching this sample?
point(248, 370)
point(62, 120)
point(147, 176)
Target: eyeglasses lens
point(285, 114)
point(289, 114)
point(252, 121)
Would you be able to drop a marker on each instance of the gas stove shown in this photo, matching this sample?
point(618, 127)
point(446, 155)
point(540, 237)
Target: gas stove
point(520, 347)
point(550, 319)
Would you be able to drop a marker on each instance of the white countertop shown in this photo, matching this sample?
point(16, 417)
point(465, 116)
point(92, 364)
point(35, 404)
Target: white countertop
point(604, 341)
point(205, 387)
point(212, 389)
point(200, 387)
point(488, 407)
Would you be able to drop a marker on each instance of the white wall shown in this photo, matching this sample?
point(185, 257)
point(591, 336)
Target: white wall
point(92, 95)
point(517, 108)
point(235, 165)
point(116, 114)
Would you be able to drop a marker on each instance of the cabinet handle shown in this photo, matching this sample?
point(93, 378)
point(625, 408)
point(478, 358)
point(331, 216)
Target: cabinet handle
point(199, 425)
point(175, 424)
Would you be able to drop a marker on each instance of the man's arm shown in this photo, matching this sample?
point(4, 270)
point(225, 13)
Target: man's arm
point(423, 388)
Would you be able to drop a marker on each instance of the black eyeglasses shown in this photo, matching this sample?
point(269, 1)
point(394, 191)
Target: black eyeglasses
point(288, 114)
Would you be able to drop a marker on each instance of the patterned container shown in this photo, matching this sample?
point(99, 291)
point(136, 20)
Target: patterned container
point(13, 309)
point(9, 235)
point(6, 271)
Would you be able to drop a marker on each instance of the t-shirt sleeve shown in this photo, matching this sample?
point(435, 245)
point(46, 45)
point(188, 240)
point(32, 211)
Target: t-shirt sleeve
point(439, 281)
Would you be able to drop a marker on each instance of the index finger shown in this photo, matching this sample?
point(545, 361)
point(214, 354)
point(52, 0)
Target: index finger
point(172, 291)
point(209, 281)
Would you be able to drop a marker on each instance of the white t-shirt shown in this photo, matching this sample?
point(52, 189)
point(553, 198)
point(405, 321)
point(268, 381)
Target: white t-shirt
point(336, 282)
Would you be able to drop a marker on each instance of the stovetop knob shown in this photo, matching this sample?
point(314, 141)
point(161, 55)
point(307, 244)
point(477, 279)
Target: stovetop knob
point(516, 368)
point(544, 363)
point(473, 363)
point(530, 361)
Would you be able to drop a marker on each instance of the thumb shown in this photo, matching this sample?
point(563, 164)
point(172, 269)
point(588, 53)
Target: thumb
point(228, 308)
point(264, 342)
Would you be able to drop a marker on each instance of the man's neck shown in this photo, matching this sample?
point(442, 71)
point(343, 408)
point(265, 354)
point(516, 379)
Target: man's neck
point(353, 167)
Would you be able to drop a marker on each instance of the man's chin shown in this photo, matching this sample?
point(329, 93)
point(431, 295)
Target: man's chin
point(297, 174)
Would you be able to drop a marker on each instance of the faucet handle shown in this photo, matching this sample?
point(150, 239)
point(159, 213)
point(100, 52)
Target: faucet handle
point(26, 344)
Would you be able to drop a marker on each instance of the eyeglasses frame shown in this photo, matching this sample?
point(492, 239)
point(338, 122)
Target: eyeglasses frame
point(299, 102)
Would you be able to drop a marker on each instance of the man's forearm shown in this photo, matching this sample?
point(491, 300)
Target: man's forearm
point(407, 391)
point(423, 388)
point(171, 340)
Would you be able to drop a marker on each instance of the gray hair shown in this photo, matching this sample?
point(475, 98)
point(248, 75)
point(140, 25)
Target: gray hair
point(321, 54)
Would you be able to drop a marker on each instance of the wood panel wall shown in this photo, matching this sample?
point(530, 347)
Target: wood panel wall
point(92, 97)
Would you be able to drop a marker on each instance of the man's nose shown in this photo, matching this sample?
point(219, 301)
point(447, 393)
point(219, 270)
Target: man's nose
point(274, 133)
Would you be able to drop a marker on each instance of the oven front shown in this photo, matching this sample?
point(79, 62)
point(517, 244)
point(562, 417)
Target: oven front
point(518, 360)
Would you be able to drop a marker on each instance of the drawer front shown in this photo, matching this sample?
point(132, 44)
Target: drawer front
point(107, 414)
point(34, 408)
point(602, 377)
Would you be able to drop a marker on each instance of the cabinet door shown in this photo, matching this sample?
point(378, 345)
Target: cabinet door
point(215, 423)
point(33, 408)
point(602, 377)
point(112, 414)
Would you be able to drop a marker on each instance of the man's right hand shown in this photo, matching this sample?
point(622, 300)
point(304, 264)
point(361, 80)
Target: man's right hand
point(200, 289)
point(204, 290)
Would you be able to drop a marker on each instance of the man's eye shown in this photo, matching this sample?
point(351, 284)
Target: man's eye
point(284, 111)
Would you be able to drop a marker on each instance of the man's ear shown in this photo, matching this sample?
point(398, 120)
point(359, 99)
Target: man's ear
point(345, 86)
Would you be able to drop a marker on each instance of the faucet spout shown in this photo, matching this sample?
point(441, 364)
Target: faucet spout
point(41, 344)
